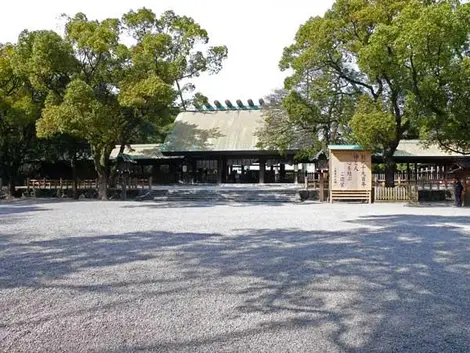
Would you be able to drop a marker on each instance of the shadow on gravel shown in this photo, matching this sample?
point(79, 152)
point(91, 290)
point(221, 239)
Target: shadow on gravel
point(398, 283)
point(13, 210)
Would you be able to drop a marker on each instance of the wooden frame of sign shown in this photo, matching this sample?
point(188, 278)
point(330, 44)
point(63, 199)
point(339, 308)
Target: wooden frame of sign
point(350, 174)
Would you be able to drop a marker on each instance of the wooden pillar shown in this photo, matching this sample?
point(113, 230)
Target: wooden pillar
point(322, 187)
point(296, 173)
point(445, 176)
point(194, 171)
point(224, 170)
point(262, 168)
point(277, 175)
point(173, 172)
point(219, 171)
point(283, 173)
point(124, 186)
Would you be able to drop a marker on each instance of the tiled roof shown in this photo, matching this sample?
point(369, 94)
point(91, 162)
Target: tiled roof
point(416, 148)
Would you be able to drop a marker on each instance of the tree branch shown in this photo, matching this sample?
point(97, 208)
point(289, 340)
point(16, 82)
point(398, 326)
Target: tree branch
point(335, 66)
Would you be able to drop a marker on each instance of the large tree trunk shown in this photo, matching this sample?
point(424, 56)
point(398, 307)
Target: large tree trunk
point(390, 167)
point(103, 186)
point(12, 173)
point(11, 188)
point(101, 159)
point(390, 174)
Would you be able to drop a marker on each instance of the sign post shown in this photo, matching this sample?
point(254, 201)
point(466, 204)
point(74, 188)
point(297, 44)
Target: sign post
point(350, 173)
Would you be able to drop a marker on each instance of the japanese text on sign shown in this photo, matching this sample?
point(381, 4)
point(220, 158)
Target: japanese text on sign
point(351, 170)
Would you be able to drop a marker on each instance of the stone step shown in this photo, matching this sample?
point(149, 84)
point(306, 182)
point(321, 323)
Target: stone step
point(221, 195)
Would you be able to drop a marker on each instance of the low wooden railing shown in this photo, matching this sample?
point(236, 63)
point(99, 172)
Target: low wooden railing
point(60, 184)
point(392, 194)
point(65, 184)
point(135, 183)
point(403, 190)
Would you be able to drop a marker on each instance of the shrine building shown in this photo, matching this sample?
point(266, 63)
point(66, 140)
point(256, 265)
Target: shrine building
point(217, 144)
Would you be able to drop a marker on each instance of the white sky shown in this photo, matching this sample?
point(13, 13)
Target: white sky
point(255, 33)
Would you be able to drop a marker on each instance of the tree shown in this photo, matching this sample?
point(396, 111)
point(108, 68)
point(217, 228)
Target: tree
point(47, 61)
point(89, 108)
point(19, 108)
point(171, 47)
point(279, 132)
point(361, 44)
point(164, 56)
point(434, 48)
point(308, 115)
point(114, 93)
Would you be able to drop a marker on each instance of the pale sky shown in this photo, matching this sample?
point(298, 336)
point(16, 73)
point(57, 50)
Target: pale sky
point(255, 33)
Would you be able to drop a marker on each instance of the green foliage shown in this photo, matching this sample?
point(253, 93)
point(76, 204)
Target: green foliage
point(45, 60)
point(279, 131)
point(434, 48)
point(89, 86)
point(373, 126)
point(307, 116)
point(19, 108)
point(409, 57)
point(169, 47)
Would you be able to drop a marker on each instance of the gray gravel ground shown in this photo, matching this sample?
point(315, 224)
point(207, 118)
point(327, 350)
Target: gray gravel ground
point(146, 277)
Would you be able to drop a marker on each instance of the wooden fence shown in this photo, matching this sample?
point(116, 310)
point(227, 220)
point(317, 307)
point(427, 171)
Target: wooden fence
point(64, 184)
point(428, 174)
point(59, 184)
point(405, 189)
point(395, 194)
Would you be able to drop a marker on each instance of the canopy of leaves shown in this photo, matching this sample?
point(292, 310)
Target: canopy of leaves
point(89, 86)
point(364, 45)
point(372, 125)
point(308, 117)
point(88, 107)
point(434, 48)
point(173, 47)
point(280, 132)
point(19, 108)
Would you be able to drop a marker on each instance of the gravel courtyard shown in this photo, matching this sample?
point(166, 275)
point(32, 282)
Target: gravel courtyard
point(146, 277)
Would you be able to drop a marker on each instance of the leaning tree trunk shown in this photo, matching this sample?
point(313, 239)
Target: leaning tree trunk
point(101, 160)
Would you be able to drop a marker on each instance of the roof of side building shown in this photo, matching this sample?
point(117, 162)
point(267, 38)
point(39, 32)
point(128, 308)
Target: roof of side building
point(141, 152)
